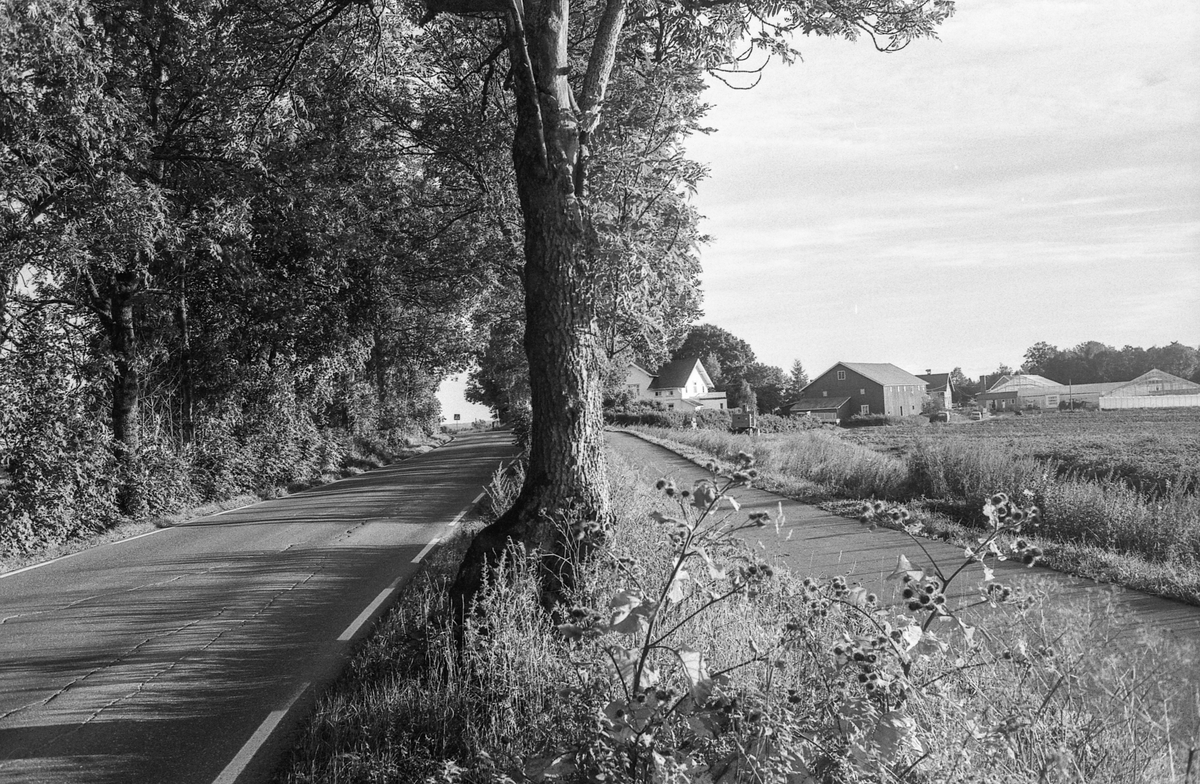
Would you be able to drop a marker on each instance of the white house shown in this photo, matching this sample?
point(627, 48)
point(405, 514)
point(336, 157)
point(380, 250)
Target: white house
point(680, 385)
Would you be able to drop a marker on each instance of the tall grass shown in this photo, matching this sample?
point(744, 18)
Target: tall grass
point(1046, 696)
point(833, 465)
point(960, 475)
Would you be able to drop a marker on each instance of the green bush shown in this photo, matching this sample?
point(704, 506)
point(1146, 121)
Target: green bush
point(773, 423)
point(867, 420)
point(62, 479)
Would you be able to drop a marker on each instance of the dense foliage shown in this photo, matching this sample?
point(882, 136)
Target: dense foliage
point(237, 242)
point(1093, 362)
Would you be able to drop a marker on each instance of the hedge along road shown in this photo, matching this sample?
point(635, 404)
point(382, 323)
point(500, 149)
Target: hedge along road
point(189, 655)
point(816, 543)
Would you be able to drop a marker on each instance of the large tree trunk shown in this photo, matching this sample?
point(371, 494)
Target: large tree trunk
point(126, 384)
point(566, 480)
point(187, 383)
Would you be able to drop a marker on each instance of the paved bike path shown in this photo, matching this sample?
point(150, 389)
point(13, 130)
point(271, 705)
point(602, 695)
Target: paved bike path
point(189, 655)
point(817, 543)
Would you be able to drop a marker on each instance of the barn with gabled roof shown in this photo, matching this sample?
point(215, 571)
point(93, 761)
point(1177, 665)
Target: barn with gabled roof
point(871, 387)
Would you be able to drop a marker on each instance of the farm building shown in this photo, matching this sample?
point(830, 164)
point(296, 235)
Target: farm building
point(938, 388)
point(1067, 395)
point(827, 409)
point(680, 385)
point(869, 387)
point(1155, 389)
point(1007, 392)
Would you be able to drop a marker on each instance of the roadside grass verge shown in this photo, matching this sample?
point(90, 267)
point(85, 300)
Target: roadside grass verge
point(1102, 530)
point(753, 684)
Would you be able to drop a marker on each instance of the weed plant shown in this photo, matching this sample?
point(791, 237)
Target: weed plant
point(688, 657)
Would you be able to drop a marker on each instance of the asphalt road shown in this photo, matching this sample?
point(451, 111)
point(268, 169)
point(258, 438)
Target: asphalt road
point(817, 543)
point(190, 654)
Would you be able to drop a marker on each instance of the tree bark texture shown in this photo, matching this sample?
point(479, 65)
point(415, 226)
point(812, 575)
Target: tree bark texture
point(566, 478)
point(126, 385)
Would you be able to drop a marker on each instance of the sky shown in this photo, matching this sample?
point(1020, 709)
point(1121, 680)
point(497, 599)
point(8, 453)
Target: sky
point(1034, 175)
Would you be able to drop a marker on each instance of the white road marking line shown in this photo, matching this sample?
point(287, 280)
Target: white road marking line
point(426, 550)
point(363, 616)
point(251, 747)
point(458, 518)
point(31, 567)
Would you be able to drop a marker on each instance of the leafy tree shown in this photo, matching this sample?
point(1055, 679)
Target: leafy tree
point(732, 353)
point(1176, 359)
point(964, 388)
point(768, 384)
point(1038, 358)
point(562, 58)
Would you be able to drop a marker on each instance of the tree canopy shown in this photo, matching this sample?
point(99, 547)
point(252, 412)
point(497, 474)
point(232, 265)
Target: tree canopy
point(1093, 362)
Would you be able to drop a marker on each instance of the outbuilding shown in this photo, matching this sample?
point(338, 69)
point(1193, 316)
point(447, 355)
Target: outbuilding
point(825, 409)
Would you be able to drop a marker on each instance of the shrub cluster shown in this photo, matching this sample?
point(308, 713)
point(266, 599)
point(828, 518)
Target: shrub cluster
point(649, 414)
point(61, 478)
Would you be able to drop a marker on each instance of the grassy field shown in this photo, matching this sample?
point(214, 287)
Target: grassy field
point(1152, 451)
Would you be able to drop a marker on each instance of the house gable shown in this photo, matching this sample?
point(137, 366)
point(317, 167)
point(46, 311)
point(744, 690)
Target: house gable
point(682, 384)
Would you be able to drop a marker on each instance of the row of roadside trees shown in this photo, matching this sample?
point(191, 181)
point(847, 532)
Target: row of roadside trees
point(235, 233)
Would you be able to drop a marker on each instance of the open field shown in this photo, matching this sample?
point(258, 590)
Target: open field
point(1150, 450)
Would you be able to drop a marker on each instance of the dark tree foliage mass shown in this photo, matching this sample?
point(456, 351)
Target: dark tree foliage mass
point(1092, 362)
point(228, 257)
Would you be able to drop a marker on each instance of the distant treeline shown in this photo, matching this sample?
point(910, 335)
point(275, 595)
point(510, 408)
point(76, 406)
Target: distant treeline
point(1093, 362)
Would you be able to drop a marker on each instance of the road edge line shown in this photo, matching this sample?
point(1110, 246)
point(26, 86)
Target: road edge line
point(366, 614)
point(246, 753)
point(40, 564)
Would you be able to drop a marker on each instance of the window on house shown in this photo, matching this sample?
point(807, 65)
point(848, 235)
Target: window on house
point(862, 391)
point(670, 406)
point(1051, 401)
point(841, 375)
point(824, 394)
point(864, 409)
point(658, 394)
